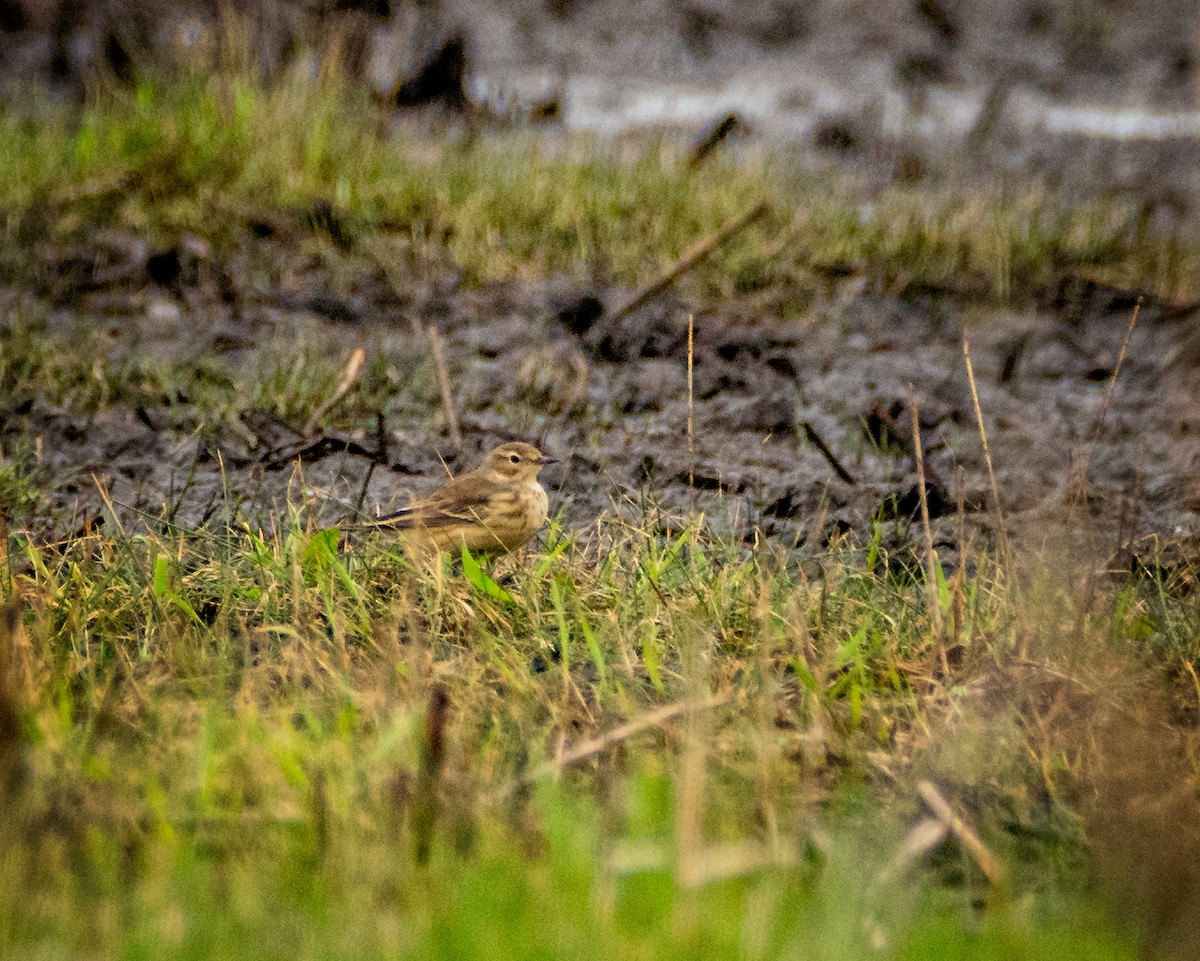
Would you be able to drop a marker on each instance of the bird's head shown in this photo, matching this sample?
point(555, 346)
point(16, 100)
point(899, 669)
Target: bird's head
point(516, 461)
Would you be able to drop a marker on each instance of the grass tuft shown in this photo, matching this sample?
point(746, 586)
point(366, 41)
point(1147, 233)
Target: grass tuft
point(225, 735)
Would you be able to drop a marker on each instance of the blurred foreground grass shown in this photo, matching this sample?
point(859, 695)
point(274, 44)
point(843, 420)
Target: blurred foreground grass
point(254, 745)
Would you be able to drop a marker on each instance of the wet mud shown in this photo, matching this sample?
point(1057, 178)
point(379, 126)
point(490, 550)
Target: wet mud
point(800, 420)
point(799, 417)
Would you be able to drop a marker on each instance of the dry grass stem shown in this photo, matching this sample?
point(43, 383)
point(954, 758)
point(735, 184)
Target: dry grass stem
point(621, 732)
point(989, 864)
point(1195, 679)
point(1112, 381)
point(932, 565)
point(102, 490)
point(1001, 527)
point(443, 378)
point(1077, 480)
point(922, 839)
point(690, 405)
point(353, 368)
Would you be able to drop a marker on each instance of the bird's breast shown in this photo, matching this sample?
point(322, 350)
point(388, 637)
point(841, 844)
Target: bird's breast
point(540, 503)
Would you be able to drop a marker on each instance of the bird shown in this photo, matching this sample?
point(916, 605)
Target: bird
point(496, 507)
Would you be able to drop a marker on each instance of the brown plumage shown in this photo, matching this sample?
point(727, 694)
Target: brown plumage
point(496, 507)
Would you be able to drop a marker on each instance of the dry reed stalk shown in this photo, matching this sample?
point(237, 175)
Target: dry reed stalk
point(439, 364)
point(932, 566)
point(1005, 543)
point(1077, 478)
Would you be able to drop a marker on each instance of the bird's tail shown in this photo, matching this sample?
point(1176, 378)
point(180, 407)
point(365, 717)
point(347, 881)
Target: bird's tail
point(397, 520)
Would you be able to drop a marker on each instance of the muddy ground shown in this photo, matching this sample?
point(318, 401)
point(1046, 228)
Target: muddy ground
point(545, 362)
point(772, 384)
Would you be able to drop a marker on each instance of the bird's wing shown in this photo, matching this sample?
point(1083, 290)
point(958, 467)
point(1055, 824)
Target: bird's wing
point(462, 500)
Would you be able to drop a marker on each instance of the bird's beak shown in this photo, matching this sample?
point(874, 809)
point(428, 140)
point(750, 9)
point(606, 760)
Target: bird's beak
point(543, 461)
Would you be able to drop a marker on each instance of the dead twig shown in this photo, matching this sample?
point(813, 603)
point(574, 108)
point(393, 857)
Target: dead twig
point(711, 863)
point(349, 375)
point(889, 428)
point(362, 490)
point(381, 437)
point(439, 364)
point(989, 115)
point(381, 457)
point(690, 259)
point(715, 136)
point(596, 745)
point(818, 442)
point(314, 449)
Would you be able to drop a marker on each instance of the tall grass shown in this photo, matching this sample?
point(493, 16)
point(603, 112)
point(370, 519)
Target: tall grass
point(221, 741)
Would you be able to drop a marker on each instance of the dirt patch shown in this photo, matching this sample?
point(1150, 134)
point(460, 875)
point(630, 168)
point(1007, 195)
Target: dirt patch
point(801, 417)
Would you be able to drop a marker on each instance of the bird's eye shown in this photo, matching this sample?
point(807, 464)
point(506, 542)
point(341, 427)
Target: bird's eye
point(515, 458)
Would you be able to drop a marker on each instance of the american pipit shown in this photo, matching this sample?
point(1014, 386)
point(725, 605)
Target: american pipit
point(497, 506)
